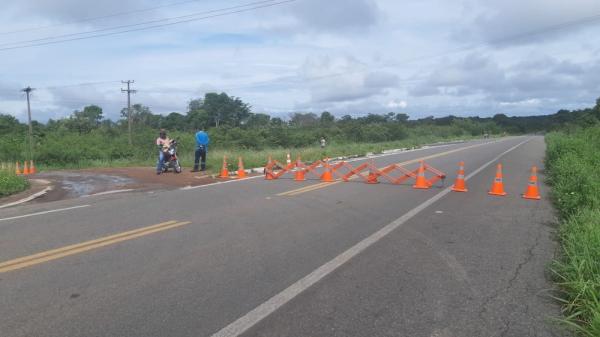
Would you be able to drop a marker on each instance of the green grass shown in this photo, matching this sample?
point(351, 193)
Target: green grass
point(573, 163)
point(11, 183)
point(256, 158)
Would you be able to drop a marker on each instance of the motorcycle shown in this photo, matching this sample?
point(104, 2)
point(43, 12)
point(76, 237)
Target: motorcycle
point(171, 161)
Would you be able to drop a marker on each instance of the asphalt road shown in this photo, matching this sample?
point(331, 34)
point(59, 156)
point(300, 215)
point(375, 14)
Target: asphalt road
point(280, 258)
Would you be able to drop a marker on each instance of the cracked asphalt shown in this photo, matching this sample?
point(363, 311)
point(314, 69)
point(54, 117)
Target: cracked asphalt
point(468, 264)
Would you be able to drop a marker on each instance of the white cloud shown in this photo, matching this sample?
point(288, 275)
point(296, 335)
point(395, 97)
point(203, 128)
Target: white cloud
point(342, 56)
point(396, 103)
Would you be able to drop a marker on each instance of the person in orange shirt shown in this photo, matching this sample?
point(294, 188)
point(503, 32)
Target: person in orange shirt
point(162, 142)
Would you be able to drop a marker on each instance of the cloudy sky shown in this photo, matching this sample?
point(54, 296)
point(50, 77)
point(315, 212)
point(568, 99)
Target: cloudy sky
point(420, 57)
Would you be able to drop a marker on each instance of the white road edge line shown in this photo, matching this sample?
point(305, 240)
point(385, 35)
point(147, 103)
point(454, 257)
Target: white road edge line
point(45, 212)
point(259, 313)
point(187, 188)
point(29, 198)
point(108, 192)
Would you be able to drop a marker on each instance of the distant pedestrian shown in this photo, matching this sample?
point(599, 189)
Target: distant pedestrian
point(202, 142)
point(323, 142)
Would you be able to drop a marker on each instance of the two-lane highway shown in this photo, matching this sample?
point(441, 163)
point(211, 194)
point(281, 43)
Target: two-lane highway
point(279, 257)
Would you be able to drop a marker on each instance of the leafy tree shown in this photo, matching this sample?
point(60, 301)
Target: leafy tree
point(373, 119)
point(174, 121)
point(195, 104)
point(9, 124)
point(401, 118)
point(86, 120)
point(327, 118)
point(198, 119)
point(223, 109)
point(258, 120)
point(141, 115)
point(303, 119)
point(276, 121)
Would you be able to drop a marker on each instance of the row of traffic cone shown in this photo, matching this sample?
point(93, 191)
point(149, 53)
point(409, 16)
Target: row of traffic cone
point(497, 188)
point(241, 172)
point(27, 169)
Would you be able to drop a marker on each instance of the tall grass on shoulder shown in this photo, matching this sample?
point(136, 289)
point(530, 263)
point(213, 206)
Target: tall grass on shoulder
point(11, 183)
point(578, 271)
point(572, 161)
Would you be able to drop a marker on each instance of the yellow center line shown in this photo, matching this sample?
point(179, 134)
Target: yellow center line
point(408, 162)
point(58, 253)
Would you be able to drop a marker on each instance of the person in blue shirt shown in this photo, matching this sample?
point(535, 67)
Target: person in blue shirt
point(202, 141)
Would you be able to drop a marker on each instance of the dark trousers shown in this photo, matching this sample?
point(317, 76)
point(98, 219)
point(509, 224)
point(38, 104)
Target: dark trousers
point(200, 154)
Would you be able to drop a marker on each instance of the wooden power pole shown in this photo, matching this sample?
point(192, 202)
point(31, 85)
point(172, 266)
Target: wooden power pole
point(129, 91)
point(28, 91)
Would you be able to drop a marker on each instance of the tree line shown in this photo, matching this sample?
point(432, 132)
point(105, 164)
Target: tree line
point(231, 123)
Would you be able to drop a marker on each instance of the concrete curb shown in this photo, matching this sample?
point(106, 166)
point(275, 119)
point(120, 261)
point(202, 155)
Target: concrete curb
point(29, 198)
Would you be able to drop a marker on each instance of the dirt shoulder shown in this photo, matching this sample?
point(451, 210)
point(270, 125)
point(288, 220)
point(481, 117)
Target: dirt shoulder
point(70, 184)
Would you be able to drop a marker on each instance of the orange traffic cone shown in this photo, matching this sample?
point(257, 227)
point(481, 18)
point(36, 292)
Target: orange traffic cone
point(17, 169)
point(498, 185)
point(224, 171)
point(327, 175)
point(288, 161)
point(372, 178)
point(299, 175)
point(269, 170)
point(421, 182)
point(26, 169)
point(241, 173)
point(532, 187)
point(459, 184)
point(32, 169)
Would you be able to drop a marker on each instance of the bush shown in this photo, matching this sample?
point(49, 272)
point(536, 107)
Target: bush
point(10, 183)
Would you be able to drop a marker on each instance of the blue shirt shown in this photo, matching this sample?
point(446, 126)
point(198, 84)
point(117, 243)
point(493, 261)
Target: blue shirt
point(202, 139)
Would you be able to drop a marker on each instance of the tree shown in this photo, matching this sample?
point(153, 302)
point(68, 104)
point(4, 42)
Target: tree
point(258, 120)
point(300, 119)
point(401, 118)
point(597, 109)
point(174, 121)
point(141, 115)
point(195, 104)
point(327, 118)
point(86, 120)
point(198, 119)
point(8, 124)
point(222, 109)
point(276, 121)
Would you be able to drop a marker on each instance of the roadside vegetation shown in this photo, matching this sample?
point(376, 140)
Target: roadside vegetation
point(87, 139)
point(11, 183)
point(573, 164)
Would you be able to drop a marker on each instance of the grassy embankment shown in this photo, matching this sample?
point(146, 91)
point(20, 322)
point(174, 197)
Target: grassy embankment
point(573, 164)
point(146, 156)
point(11, 183)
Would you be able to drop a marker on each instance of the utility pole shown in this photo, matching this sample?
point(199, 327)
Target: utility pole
point(28, 91)
point(129, 91)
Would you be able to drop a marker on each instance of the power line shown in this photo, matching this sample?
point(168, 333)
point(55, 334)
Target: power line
point(135, 24)
point(148, 27)
point(78, 84)
point(149, 9)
